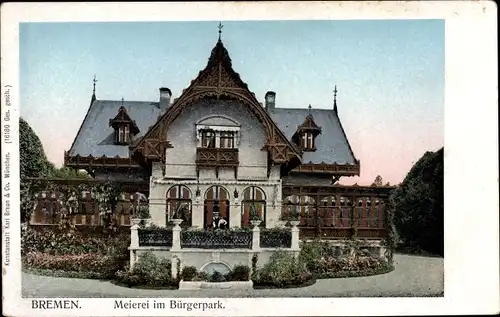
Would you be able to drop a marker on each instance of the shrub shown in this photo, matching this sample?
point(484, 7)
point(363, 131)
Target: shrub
point(311, 253)
point(255, 259)
point(148, 271)
point(217, 277)
point(283, 269)
point(239, 273)
point(202, 276)
point(189, 273)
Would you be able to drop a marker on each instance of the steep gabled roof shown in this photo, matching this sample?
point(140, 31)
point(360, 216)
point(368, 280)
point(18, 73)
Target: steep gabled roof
point(332, 145)
point(216, 80)
point(96, 137)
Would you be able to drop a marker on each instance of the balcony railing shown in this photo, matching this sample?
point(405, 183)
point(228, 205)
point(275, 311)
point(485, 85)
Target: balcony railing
point(217, 157)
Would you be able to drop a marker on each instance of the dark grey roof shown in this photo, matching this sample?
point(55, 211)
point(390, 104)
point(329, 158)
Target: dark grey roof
point(332, 145)
point(96, 137)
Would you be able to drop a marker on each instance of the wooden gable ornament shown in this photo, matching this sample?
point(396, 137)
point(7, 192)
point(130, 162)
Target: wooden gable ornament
point(217, 80)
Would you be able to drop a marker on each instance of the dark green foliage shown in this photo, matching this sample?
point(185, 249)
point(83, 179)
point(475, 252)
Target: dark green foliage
point(60, 241)
point(149, 271)
point(378, 182)
point(202, 276)
point(217, 277)
point(34, 163)
point(188, 273)
point(311, 254)
point(239, 273)
point(69, 173)
point(418, 205)
point(60, 249)
point(102, 266)
point(32, 159)
point(282, 270)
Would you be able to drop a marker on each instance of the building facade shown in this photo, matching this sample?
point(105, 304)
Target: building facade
point(221, 154)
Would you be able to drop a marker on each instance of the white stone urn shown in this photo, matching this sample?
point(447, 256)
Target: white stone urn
point(177, 222)
point(135, 221)
point(294, 223)
point(255, 223)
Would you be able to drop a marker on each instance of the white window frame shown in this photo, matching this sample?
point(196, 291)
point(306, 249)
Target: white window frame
point(218, 130)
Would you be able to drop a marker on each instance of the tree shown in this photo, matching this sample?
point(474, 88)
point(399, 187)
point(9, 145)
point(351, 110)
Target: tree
point(378, 181)
point(418, 205)
point(69, 173)
point(32, 160)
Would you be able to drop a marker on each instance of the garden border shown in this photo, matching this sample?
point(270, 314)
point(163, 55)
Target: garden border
point(67, 274)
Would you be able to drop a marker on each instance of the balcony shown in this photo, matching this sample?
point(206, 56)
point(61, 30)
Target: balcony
point(217, 157)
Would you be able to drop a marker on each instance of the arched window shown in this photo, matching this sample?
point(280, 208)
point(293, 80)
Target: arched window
point(179, 196)
point(216, 208)
point(253, 196)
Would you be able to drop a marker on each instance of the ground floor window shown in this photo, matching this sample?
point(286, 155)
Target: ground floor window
point(253, 197)
point(179, 200)
point(216, 207)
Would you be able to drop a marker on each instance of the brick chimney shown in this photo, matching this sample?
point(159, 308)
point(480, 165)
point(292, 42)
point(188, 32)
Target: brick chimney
point(165, 95)
point(270, 100)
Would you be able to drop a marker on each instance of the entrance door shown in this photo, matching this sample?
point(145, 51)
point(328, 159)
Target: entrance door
point(216, 208)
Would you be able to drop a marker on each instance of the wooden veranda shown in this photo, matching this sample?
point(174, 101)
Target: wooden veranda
point(337, 211)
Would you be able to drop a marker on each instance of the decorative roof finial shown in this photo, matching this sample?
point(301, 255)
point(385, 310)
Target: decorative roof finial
point(95, 81)
point(335, 99)
point(220, 26)
point(309, 108)
point(122, 101)
point(93, 91)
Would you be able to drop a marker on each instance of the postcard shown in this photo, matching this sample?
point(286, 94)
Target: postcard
point(208, 159)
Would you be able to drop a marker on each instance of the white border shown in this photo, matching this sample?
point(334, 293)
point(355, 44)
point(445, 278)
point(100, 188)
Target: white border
point(471, 147)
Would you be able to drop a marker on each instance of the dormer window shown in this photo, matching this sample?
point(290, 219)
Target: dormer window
point(123, 134)
point(307, 141)
point(306, 134)
point(125, 128)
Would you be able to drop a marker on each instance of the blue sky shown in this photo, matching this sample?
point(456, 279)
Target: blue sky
point(389, 73)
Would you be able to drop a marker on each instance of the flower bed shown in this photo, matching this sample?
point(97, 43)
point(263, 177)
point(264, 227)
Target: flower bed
point(78, 265)
point(68, 252)
point(58, 240)
point(321, 260)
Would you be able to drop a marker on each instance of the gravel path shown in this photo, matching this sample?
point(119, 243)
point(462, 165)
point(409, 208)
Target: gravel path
point(413, 276)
